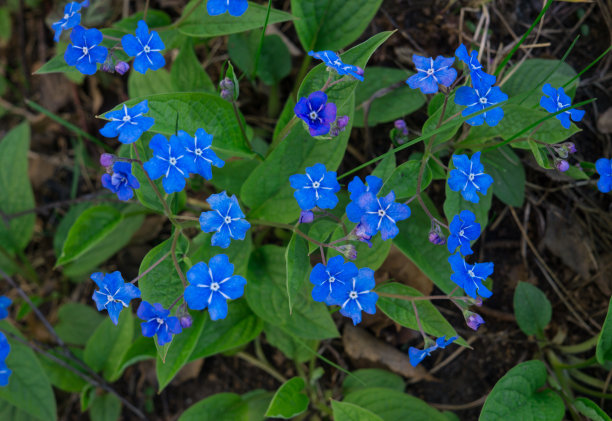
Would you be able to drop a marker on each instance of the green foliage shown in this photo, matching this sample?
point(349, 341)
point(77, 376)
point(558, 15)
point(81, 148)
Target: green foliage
point(591, 410)
point(187, 74)
point(508, 172)
point(298, 267)
point(219, 407)
point(105, 407)
point(61, 377)
point(532, 309)
point(77, 322)
point(349, 412)
point(604, 343)
point(372, 377)
point(403, 180)
point(519, 396)
point(288, 401)
point(391, 405)
point(151, 83)
point(288, 344)
point(331, 24)
point(274, 60)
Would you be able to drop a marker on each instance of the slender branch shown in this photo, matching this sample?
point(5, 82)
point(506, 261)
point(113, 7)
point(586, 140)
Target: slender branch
point(150, 268)
point(418, 319)
point(323, 256)
point(239, 120)
point(259, 364)
point(422, 298)
point(175, 260)
point(290, 228)
point(179, 298)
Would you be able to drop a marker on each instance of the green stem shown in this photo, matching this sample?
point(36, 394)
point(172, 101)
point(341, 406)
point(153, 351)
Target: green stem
point(420, 298)
point(245, 138)
point(581, 347)
point(259, 364)
point(182, 18)
point(290, 228)
point(177, 267)
point(261, 39)
point(283, 134)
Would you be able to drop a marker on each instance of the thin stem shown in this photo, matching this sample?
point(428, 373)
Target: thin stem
point(259, 364)
point(179, 298)
point(418, 319)
point(183, 17)
point(242, 129)
point(146, 9)
point(174, 258)
point(323, 256)
point(186, 218)
point(261, 39)
point(150, 268)
point(290, 228)
point(422, 298)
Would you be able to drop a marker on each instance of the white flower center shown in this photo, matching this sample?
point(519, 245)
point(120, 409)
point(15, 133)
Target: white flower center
point(126, 118)
point(172, 161)
point(430, 71)
point(66, 16)
point(198, 151)
point(353, 295)
point(159, 321)
point(315, 184)
point(331, 279)
point(471, 273)
point(471, 177)
point(461, 233)
point(85, 50)
point(227, 219)
point(560, 105)
point(381, 212)
point(147, 49)
point(214, 286)
point(313, 115)
point(483, 100)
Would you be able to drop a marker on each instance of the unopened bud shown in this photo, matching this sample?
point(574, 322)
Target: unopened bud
point(360, 71)
point(106, 159)
point(401, 126)
point(348, 250)
point(436, 238)
point(570, 147)
point(122, 67)
point(226, 94)
point(473, 320)
point(186, 321)
point(361, 235)
point(478, 302)
point(107, 67)
point(226, 84)
point(306, 217)
point(342, 122)
point(562, 165)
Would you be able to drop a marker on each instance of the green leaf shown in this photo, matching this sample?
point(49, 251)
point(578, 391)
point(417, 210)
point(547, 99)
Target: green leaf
point(141, 349)
point(105, 407)
point(332, 24)
point(155, 19)
point(371, 257)
point(289, 401)
point(344, 411)
point(150, 83)
point(267, 190)
point(403, 181)
point(391, 405)
point(200, 24)
point(372, 377)
point(432, 122)
point(16, 189)
point(178, 355)
point(274, 60)
point(604, 343)
point(187, 73)
point(90, 228)
point(219, 407)
point(258, 401)
point(13, 413)
point(540, 154)
point(238, 251)
point(529, 76)
point(5, 24)
point(413, 242)
point(320, 230)
point(240, 327)
point(591, 410)
point(162, 284)
point(62, 377)
point(233, 174)
point(77, 322)
point(108, 344)
point(518, 396)
point(266, 294)
point(394, 101)
point(28, 389)
point(298, 267)
point(286, 343)
point(402, 311)
point(385, 168)
point(508, 172)
point(531, 308)
point(66, 223)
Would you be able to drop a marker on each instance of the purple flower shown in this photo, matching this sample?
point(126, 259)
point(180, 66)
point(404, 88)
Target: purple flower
point(474, 321)
point(333, 61)
point(357, 296)
point(326, 279)
point(558, 100)
point(361, 234)
point(478, 98)
point(145, 47)
point(71, 18)
point(470, 277)
point(469, 177)
point(463, 229)
point(121, 181)
point(432, 72)
point(128, 123)
point(113, 294)
point(85, 52)
point(234, 7)
point(604, 169)
point(476, 71)
point(436, 238)
point(418, 355)
point(186, 321)
point(157, 321)
point(318, 187)
point(316, 112)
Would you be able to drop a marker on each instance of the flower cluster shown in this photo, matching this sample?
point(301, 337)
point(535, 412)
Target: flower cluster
point(70, 19)
point(5, 347)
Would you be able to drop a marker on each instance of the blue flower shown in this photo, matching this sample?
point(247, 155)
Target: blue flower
point(469, 177)
point(463, 229)
point(114, 294)
point(5, 302)
point(199, 155)
point(379, 214)
point(168, 161)
point(211, 286)
point(128, 123)
point(357, 188)
point(432, 72)
point(145, 47)
point(234, 7)
point(327, 279)
point(5, 349)
point(315, 111)
point(121, 181)
point(478, 98)
point(357, 296)
point(225, 220)
point(332, 60)
point(604, 168)
point(318, 187)
point(474, 65)
point(470, 277)
point(558, 100)
point(85, 51)
point(157, 321)
point(418, 355)
point(71, 18)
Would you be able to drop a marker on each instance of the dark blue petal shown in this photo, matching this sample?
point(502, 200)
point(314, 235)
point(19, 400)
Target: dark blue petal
point(131, 46)
point(237, 7)
point(216, 7)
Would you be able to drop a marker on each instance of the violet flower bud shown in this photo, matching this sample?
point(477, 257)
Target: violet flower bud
point(107, 67)
point(226, 95)
point(562, 165)
point(306, 217)
point(226, 84)
point(107, 159)
point(473, 320)
point(436, 238)
point(122, 67)
point(401, 126)
point(348, 250)
point(186, 321)
point(478, 302)
point(570, 147)
point(342, 122)
point(360, 71)
point(360, 233)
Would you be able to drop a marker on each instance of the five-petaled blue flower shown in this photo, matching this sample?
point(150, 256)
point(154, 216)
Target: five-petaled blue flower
point(318, 187)
point(469, 177)
point(334, 61)
point(114, 294)
point(168, 161)
point(121, 181)
point(463, 229)
point(85, 52)
point(326, 279)
point(128, 123)
point(470, 277)
point(478, 98)
point(315, 111)
point(357, 296)
point(5, 349)
point(199, 154)
point(5, 302)
point(432, 72)
point(474, 65)
point(71, 18)
point(145, 47)
point(157, 321)
point(558, 100)
point(418, 355)
point(225, 219)
point(378, 214)
point(357, 188)
point(234, 7)
point(211, 286)
point(604, 169)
